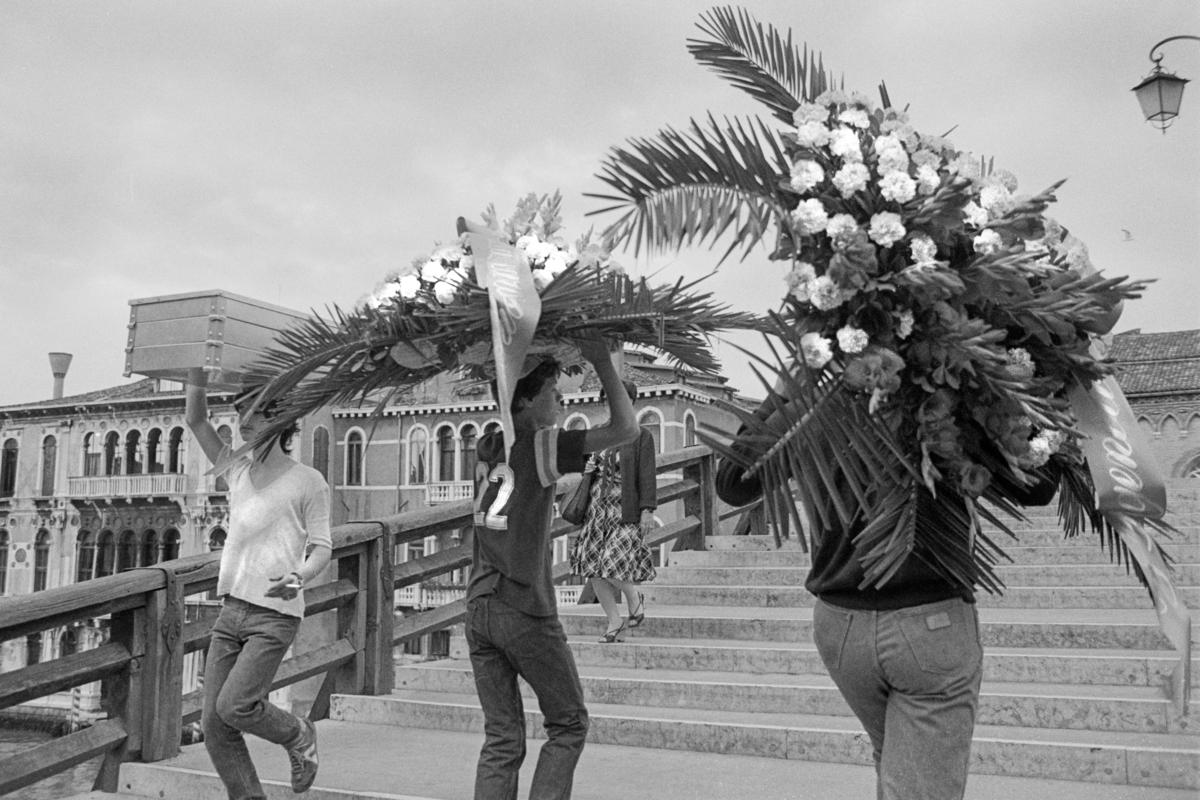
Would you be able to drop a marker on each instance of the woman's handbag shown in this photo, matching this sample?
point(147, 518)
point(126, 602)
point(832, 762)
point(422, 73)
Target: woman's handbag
point(575, 509)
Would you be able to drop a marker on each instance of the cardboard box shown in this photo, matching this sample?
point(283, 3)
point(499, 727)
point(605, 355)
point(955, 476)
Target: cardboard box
point(218, 331)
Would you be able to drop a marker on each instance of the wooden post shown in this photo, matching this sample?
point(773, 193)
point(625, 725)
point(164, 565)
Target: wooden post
point(352, 619)
point(701, 504)
point(124, 696)
point(162, 671)
point(379, 674)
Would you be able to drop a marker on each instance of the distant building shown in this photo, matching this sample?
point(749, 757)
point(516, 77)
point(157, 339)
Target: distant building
point(1160, 374)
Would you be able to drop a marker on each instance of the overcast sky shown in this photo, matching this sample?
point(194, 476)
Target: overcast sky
point(296, 152)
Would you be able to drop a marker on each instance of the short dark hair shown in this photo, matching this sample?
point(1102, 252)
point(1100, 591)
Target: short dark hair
point(530, 384)
point(247, 397)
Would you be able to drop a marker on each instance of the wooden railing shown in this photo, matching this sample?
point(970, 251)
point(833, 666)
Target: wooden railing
point(142, 663)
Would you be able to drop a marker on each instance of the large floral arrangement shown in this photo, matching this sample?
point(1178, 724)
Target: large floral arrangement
point(934, 323)
point(433, 317)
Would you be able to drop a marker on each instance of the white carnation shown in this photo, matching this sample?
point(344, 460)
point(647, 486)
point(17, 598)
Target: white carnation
point(816, 350)
point(843, 143)
point(974, 215)
point(810, 216)
point(987, 242)
point(812, 135)
point(841, 226)
point(904, 326)
point(432, 271)
point(855, 117)
point(809, 112)
point(409, 286)
point(851, 339)
point(928, 179)
point(805, 175)
point(799, 281)
point(542, 278)
point(851, 178)
point(922, 249)
point(556, 263)
point(886, 229)
point(444, 292)
point(825, 294)
point(897, 187)
point(526, 241)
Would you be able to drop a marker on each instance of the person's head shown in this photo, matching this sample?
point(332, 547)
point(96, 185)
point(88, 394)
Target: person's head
point(252, 420)
point(536, 401)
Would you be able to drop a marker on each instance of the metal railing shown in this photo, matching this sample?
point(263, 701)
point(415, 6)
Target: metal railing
point(142, 664)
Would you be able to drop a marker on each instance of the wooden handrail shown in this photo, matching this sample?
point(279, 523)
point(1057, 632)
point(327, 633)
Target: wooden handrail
point(142, 663)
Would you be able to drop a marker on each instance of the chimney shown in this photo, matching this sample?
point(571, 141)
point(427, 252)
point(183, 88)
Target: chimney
point(59, 364)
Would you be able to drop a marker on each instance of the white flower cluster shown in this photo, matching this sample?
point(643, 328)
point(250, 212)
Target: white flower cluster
point(441, 274)
point(1045, 444)
point(1020, 363)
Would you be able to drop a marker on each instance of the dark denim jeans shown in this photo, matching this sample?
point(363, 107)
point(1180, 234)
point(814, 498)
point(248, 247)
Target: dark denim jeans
point(505, 643)
point(248, 643)
point(912, 678)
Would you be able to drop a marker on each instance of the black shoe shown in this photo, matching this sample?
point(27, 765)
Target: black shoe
point(638, 616)
point(303, 756)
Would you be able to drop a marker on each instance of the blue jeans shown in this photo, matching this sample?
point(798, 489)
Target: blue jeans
point(505, 643)
point(912, 677)
point(248, 643)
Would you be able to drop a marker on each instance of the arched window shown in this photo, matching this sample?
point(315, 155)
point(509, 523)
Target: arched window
point(106, 552)
point(133, 453)
point(216, 539)
point(578, 422)
point(149, 554)
point(652, 422)
point(154, 463)
point(85, 558)
point(112, 453)
point(354, 458)
point(33, 649)
point(689, 429)
point(175, 451)
point(491, 427)
point(320, 451)
point(1192, 470)
point(418, 452)
point(41, 560)
point(170, 549)
point(3, 560)
point(127, 551)
point(225, 434)
point(445, 439)
point(8, 468)
point(91, 455)
point(49, 465)
point(466, 468)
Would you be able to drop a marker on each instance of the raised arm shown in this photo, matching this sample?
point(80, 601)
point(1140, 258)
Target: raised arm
point(196, 413)
point(622, 427)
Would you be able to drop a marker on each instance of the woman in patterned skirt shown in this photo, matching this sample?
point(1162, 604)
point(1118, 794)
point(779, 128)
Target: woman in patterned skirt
point(611, 549)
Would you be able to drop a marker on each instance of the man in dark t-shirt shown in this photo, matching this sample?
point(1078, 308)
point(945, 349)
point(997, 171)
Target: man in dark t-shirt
point(512, 624)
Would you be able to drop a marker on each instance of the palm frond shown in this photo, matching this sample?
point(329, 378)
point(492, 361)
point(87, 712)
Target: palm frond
point(759, 60)
point(684, 188)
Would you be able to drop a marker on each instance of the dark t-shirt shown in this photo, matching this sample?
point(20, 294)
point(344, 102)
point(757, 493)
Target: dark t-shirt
point(513, 512)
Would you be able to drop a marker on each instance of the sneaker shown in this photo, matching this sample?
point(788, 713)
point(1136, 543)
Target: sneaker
point(303, 756)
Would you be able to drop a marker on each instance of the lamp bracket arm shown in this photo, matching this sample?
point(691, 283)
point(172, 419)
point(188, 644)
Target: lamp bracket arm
point(1159, 58)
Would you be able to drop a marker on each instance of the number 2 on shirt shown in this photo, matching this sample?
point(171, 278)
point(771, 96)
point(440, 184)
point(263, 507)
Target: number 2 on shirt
point(493, 490)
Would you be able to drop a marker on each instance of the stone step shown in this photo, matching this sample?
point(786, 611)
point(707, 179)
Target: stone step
point(1047, 597)
point(1020, 553)
point(1129, 709)
point(1144, 759)
point(1092, 667)
point(390, 762)
point(1133, 629)
point(1012, 575)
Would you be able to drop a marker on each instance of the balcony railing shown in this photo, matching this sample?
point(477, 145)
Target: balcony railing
point(448, 492)
point(142, 665)
point(156, 485)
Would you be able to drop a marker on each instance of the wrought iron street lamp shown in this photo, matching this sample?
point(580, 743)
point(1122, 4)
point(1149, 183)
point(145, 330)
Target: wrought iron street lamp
point(1160, 92)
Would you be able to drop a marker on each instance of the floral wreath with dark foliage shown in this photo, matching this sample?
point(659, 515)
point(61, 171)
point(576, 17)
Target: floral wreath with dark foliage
point(934, 322)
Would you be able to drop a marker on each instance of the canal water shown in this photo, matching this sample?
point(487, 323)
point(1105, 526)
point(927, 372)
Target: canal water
point(76, 780)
